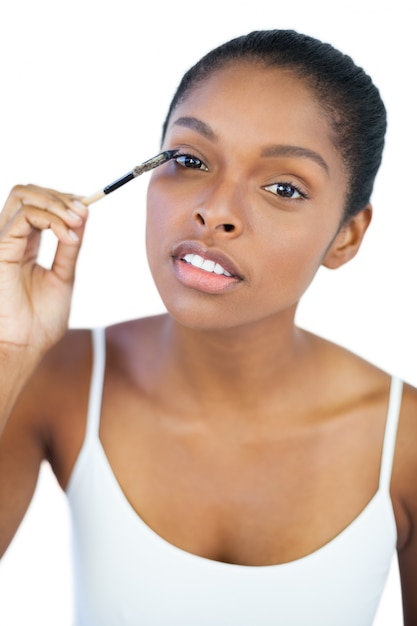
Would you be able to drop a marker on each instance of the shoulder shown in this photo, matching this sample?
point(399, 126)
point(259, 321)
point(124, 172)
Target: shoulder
point(66, 368)
point(74, 345)
point(55, 385)
point(136, 329)
point(57, 372)
point(61, 372)
point(347, 375)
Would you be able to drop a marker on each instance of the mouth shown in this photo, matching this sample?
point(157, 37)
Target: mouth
point(207, 265)
point(207, 270)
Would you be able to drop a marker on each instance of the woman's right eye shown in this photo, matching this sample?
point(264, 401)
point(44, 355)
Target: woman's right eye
point(191, 162)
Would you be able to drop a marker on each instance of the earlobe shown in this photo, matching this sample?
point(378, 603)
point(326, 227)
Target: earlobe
point(348, 240)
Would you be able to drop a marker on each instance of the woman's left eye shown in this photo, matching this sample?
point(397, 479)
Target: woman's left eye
point(286, 190)
point(191, 162)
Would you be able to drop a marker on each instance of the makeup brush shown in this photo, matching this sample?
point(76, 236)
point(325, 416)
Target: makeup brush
point(157, 160)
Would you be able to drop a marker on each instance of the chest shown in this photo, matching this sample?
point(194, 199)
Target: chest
point(244, 497)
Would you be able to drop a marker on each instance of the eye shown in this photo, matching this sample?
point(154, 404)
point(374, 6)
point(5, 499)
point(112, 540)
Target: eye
point(191, 162)
point(286, 190)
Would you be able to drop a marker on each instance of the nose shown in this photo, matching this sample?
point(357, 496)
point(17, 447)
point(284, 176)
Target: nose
point(220, 211)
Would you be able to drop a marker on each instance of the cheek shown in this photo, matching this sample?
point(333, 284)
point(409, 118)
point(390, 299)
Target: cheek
point(164, 202)
point(154, 227)
point(163, 220)
point(155, 203)
point(291, 256)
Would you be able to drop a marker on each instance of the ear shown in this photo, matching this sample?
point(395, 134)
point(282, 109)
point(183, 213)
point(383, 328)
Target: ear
point(348, 240)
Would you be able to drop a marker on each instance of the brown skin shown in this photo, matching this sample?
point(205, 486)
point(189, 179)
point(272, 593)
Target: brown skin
point(202, 410)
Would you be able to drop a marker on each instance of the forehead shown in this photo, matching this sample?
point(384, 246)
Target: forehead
point(259, 104)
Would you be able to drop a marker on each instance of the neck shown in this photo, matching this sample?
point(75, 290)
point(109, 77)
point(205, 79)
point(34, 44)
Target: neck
point(238, 367)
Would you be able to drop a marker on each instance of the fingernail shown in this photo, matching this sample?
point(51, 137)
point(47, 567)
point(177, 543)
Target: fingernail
point(75, 216)
point(73, 235)
point(78, 204)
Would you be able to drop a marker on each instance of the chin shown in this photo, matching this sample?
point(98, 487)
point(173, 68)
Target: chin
point(204, 318)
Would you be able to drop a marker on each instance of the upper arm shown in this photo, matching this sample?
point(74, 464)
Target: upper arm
point(46, 423)
point(21, 453)
point(406, 462)
point(407, 558)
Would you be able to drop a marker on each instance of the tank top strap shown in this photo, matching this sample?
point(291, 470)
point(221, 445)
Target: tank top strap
point(388, 449)
point(98, 336)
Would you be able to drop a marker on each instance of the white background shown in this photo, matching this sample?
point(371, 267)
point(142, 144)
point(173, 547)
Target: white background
point(84, 89)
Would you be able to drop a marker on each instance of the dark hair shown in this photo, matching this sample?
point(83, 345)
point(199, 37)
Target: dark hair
point(345, 92)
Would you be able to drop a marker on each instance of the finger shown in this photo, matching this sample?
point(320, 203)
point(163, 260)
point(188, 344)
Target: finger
point(72, 201)
point(13, 239)
point(61, 225)
point(69, 208)
point(32, 247)
point(66, 256)
point(14, 236)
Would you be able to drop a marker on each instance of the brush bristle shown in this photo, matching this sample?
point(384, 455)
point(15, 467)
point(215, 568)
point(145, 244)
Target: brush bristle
point(159, 159)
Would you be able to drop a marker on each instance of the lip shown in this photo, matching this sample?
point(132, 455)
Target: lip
point(211, 254)
point(199, 279)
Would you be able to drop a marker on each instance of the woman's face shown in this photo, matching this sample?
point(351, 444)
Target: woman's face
point(239, 223)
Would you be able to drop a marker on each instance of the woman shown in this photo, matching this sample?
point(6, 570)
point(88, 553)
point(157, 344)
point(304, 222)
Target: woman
point(223, 466)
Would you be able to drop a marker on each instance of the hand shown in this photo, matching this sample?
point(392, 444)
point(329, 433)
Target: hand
point(34, 301)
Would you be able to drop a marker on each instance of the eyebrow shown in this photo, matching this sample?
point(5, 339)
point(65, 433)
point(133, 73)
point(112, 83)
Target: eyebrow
point(195, 124)
point(294, 151)
point(275, 150)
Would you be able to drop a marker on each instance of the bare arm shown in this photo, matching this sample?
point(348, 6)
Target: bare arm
point(21, 452)
point(407, 462)
point(34, 311)
point(34, 302)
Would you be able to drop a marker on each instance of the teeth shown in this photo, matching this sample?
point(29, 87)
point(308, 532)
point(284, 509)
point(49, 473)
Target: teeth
point(205, 264)
point(208, 265)
point(197, 261)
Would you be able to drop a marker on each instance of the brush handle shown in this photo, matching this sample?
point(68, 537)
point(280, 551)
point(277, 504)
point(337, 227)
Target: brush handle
point(109, 188)
point(119, 182)
point(159, 159)
point(93, 198)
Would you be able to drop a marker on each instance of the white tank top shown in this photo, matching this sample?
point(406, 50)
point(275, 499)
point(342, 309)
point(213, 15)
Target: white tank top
point(126, 574)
